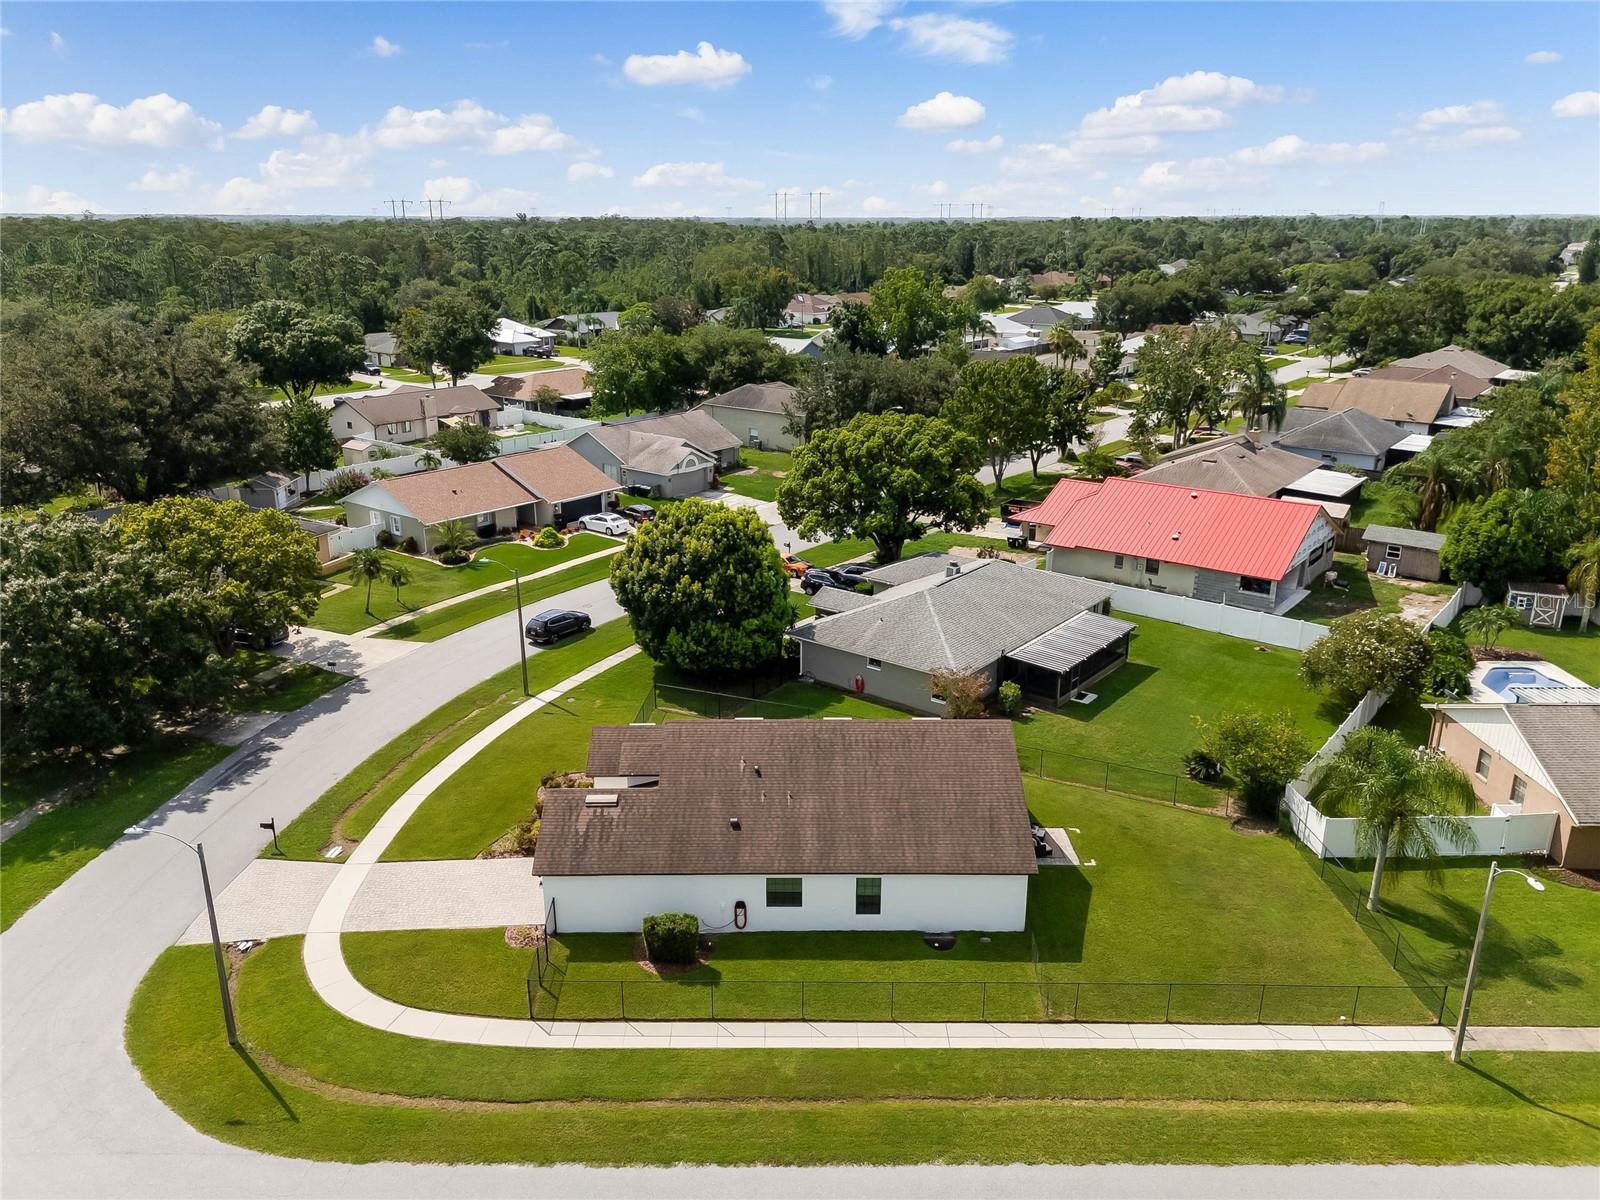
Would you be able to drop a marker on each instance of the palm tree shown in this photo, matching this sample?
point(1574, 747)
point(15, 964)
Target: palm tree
point(1584, 578)
point(1438, 483)
point(397, 575)
point(428, 461)
point(1402, 797)
point(367, 565)
point(452, 539)
point(1060, 338)
point(1260, 399)
point(1485, 625)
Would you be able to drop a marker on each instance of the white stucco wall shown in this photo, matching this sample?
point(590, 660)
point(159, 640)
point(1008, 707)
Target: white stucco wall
point(929, 903)
point(1095, 564)
point(770, 427)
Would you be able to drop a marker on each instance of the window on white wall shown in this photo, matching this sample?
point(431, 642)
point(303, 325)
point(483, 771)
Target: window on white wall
point(869, 897)
point(783, 892)
point(1392, 553)
point(394, 526)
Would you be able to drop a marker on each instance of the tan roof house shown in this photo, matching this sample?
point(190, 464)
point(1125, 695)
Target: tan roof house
point(755, 413)
point(670, 467)
point(570, 383)
point(1413, 406)
point(408, 414)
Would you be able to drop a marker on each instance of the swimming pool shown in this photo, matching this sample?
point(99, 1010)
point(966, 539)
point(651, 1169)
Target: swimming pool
point(1500, 680)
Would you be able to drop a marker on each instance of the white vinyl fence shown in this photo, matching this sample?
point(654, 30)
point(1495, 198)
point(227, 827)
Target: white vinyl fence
point(403, 464)
point(1335, 837)
point(348, 539)
point(1217, 618)
point(558, 429)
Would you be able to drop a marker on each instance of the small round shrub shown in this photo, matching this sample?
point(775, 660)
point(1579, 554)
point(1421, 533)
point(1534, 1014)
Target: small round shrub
point(1009, 698)
point(672, 938)
point(548, 539)
point(344, 482)
point(409, 545)
point(386, 539)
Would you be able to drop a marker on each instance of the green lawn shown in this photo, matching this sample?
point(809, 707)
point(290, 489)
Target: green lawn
point(1023, 486)
point(289, 690)
point(430, 627)
point(1144, 713)
point(40, 858)
point(793, 1107)
point(1567, 648)
point(320, 512)
point(1541, 951)
point(405, 375)
point(496, 790)
point(1326, 604)
point(1274, 364)
point(516, 364)
point(763, 469)
point(346, 611)
point(328, 389)
point(350, 808)
point(831, 554)
point(569, 350)
point(1385, 504)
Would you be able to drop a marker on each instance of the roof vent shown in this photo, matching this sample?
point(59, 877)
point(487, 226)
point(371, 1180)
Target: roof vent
point(1194, 495)
point(733, 824)
point(953, 568)
point(600, 800)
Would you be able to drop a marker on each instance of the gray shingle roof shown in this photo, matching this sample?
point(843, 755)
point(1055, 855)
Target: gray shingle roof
point(1230, 465)
point(760, 397)
point(1392, 535)
point(698, 428)
point(1566, 740)
point(918, 566)
point(837, 599)
point(956, 623)
point(1469, 362)
point(1350, 431)
point(811, 797)
point(418, 403)
point(642, 450)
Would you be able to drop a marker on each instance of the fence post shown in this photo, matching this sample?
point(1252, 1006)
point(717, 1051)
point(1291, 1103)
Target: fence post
point(527, 983)
point(1261, 1007)
point(891, 1000)
point(1355, 1005)
point(1077, 994)
point(983, 1001)
point(1106, 786)
point(713, 1002)
point(1444, 992)
point(1168, 1017)
point(1174, 789)
point(622, 999)
point(1041, 763)
point(802, 999)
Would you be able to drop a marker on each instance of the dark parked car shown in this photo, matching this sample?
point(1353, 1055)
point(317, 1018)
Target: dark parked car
point(555, 624)
point(638, 513)
point(853, 573)
point(1010, 508)
point(815, 579)
point(638, 489)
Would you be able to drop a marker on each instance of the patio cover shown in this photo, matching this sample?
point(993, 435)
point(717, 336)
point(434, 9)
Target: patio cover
point(1071, 642)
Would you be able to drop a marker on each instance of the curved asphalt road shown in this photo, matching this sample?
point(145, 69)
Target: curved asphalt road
point(78, 1120)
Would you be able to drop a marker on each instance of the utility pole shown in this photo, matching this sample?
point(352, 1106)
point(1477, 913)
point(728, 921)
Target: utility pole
point(1381, 205)
point(820, 197)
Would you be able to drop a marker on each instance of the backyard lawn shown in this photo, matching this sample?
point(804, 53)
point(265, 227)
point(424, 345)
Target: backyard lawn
point(38, 859)
point(1325, 604)
point(346, 611)
point(1567, 648)
point(1385, 504)
point(762, 471)
point(312, 1084)
point(328, 389)
point(1144, 712)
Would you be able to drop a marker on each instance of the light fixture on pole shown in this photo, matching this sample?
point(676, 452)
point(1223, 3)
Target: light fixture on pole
point(522, 629)
point(211, 913)
point(1495, 869)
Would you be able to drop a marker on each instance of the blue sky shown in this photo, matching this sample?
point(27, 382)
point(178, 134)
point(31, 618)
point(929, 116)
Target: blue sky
point(891, 109)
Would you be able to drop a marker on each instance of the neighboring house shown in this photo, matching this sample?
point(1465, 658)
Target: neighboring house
point(1267, 329)
point(1539, 755)
point(1243, 464)
point(1246, 551)
point(550, 485)
point(1465, 388)
point(807, 309)
point(1571, 252)
point(1456, 358)
point(320, 532)
point(380, 348)
point(513, 337)
point(701, 430)
point(408, 414)
point(570, 383)
point(270, 489)
point(810, 347)
point(580, 327)
point(1541, 605)
point(1173, 267)
point(1414, 407)
point(669, 466)
point(937, 612)
point(1038, 318)
point(1348, 438)
point(755, 413)
point(791, 825)
point(1409, 553)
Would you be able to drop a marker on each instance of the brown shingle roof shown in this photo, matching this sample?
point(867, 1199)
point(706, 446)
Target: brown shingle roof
point(1386, 399)
point(811, 797)
point(699, 429)
point(759, 397)
point(1458, 357)
point(414, 403)
point(567, 381)
point(553, 473)
point(1466, 387)
point(1230, 465)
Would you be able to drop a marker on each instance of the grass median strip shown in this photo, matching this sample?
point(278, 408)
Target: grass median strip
point(430, 627)
point(347, 811)
point(311, 1084)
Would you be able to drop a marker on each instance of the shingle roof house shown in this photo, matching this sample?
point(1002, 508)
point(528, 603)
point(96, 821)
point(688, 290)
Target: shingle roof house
point(1414, 406)
point(568, 382)
point(757, 414)
point(798, 824)
point(959, 615)
point(699, 429)
point(1465, 387)
point(669, 466)
point(407, 414)
point(1536, 757)
point(1234, 464)
point(1458, 358)
point(1350, 437)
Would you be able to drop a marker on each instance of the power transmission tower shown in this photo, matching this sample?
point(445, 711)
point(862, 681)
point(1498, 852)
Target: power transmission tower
point(820, 197)
point(1381, 205)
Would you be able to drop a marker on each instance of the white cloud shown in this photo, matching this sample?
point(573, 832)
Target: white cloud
point(599, 60)
point(579, 171)
point(175, 180)
point(244, 195)
point(454, 188)
point(40, 199)
point(1484, 134)
point(937, 188)
point(1539, 57)
point(85, 120)
point(976, 145)
point(533, 131)
point(469, 123)
point(857, 18)
point(1291, 148)
point(822, 83)
point(384, 48)
point(710, 175)
point(1479, 112)
point(939, 35)
point(1578, 104)
point(276, 121)
point(690, 112)
point(1180, 104)
point(944, 112)
point(878, 205)
point(59, 45)
point(321, 161)
point(706, 67)
point(1206, 174)
point(466, 198)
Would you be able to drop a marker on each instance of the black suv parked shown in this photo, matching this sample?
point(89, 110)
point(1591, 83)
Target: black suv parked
point(555, 624)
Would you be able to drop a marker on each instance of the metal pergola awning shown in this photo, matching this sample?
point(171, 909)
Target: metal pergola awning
point(1072, 642)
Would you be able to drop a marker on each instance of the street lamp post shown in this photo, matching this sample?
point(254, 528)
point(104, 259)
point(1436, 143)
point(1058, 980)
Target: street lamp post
point(216, 936)
point(1495, 869)
point(522, 635)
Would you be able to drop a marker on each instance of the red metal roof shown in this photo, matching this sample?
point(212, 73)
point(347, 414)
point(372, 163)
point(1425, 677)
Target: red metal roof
point(1220, 531)
point(1054, 506)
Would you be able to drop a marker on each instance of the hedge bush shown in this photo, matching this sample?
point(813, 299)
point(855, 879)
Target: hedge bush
point(548, 539)
point(672, 938)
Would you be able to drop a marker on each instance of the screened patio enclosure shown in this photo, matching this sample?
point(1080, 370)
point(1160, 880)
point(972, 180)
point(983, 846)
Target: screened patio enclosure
point(1062, 661)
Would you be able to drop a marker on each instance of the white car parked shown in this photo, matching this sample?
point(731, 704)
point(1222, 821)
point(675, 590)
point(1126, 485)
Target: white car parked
point(606, 523)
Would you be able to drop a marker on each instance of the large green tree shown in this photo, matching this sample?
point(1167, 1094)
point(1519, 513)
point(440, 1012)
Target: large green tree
point(1259, 753)
point(640, 372)
point(257, 569)
point(466, 442)
point(305, 440)
point(720, 358)
point(888, 478)
point(704, 589)
point(844, 384)
point(1186, 377)
point(101, 640)
point(297, 350)
point(1003, 405)
point(456, 333)
point(910, 306)
point(109, 399)
point(1510, 536)
point(1367, 651)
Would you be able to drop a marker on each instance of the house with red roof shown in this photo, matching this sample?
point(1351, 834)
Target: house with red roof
point(1252, 552)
